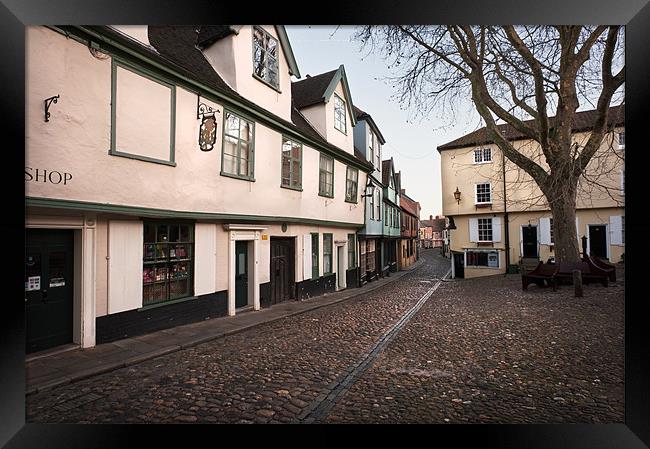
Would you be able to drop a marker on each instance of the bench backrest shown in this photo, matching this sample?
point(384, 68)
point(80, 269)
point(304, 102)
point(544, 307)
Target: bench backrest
point(569, 267)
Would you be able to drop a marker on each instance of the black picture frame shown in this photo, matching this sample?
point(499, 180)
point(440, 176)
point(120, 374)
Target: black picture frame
point(16, 14)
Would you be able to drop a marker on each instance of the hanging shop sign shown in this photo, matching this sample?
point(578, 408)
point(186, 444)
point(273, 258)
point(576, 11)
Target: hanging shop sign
point(44, 175)
point(208, 127)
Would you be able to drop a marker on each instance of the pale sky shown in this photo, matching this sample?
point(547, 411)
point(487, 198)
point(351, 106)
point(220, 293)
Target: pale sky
point(411, 142)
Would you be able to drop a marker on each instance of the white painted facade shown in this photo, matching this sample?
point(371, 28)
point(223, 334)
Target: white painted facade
point(120, 150)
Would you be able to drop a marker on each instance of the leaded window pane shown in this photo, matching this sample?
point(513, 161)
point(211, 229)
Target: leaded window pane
point(265, 56)
point(237, 146)
point(339, 114)
point(326, 176)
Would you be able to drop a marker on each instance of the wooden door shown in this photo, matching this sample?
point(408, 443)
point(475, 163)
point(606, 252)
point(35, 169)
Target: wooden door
point(241, 273)
point(598, 241)
point(529, 241)
point(282, 269)
point(49, 288)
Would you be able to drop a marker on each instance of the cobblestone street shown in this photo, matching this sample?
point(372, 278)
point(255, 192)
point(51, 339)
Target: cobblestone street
point(476, 351)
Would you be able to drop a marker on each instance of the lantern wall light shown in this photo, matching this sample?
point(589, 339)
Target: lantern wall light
point(457, 195)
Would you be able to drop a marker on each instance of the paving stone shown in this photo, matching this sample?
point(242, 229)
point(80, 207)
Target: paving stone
point(502, 353)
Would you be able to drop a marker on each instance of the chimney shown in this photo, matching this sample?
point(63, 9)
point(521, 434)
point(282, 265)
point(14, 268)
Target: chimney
point(308, 76)
point(431, 217)
point(437, 217)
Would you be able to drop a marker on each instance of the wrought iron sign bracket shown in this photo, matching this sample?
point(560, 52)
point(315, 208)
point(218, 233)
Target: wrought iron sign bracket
point(203, 110)
point(48, 102)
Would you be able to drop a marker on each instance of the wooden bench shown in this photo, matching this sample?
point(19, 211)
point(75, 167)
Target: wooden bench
point(608, 267)
point(589, 271)
point(543, 275)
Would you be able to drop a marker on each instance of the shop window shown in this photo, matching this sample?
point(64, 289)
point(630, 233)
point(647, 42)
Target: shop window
point(168, 262)
point(482, 259)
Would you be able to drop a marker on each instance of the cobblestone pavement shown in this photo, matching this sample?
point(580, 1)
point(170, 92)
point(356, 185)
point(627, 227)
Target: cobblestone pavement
point(270, 373)
point(477, 351)
point(484, 351)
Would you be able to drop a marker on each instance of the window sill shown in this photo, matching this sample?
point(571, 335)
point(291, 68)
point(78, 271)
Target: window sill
point(481, 205)
point(141, 158)
point(351, 202)
point(259, 78)
point(243, 178)
point(484, 162)
point(166, 303)
point(325, 195)
point(297, 189)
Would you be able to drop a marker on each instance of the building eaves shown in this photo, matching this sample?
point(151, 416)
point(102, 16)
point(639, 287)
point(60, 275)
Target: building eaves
point(174, 48)
point(584, 121)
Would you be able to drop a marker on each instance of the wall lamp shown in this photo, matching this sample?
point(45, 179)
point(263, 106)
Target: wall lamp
point(457, 195)
point(369, 189)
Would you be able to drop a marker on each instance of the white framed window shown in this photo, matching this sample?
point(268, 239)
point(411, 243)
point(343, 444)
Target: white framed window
point(378, 153)
point(339, 114)
point(482, 155)
point(371, 146)
point(621, 140)
point(483, 193)
point(484, 229)
point(377, 205)
point(550, 230)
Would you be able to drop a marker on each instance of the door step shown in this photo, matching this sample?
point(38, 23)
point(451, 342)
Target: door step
point(51, 351)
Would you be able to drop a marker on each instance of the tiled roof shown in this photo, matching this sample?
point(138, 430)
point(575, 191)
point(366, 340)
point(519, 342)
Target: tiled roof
point(301, 122)
point(583, 121)
point(408, 205)
point(211, 33)
point(385, 171)
point(177, 45)
point(311, 90)
point(361, 115)
point(437, 224)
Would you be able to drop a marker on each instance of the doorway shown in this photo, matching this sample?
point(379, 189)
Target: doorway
point(241, 273)
point(459, 265)
point(340, 270)
point(529, 241)
point(598, 241)
point(49, 288)
point(282, 269)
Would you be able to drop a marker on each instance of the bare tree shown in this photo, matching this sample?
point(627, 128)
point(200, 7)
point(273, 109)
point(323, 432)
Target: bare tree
point(532, 78)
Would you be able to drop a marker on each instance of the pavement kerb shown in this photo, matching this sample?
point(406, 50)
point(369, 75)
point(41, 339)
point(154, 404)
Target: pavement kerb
point(169, 349)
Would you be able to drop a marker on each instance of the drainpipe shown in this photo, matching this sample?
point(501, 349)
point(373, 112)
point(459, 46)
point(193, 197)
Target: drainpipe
point(505, 213)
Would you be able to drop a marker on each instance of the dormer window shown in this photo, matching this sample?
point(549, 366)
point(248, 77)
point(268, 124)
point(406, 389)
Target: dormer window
point(265, 57)
point(339, 114)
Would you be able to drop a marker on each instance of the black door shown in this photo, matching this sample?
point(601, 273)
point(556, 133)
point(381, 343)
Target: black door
point(241, 273)
point(459, 265)
point(529, 236)
point(48, 288)
point(282, 269)
point(598, 241)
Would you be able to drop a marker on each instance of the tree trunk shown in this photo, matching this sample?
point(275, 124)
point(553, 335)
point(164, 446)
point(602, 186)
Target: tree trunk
point(562, 201)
